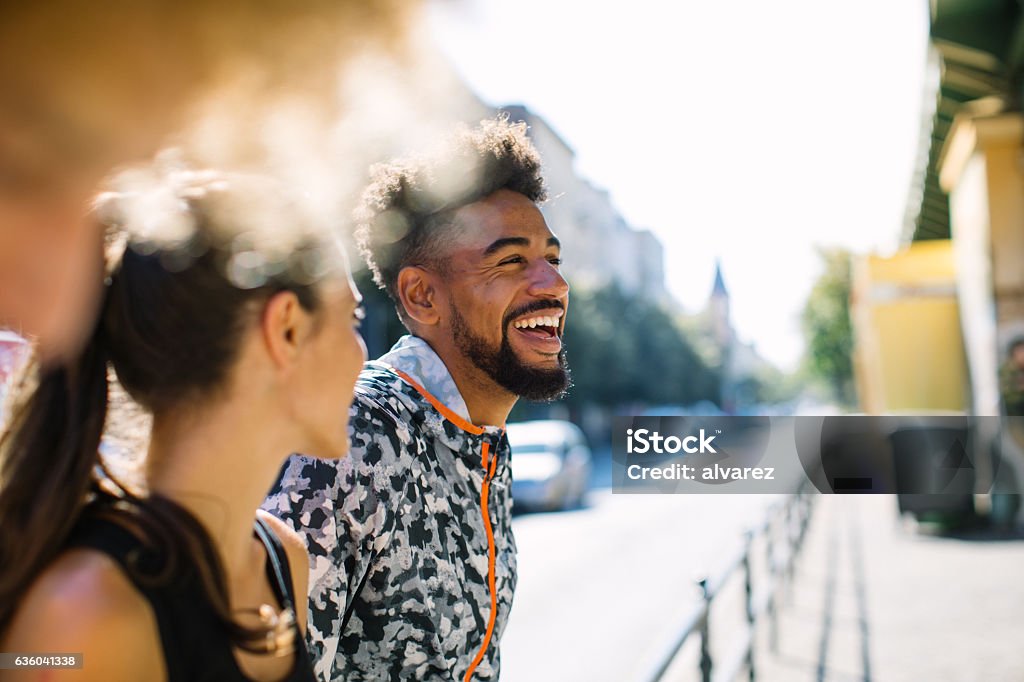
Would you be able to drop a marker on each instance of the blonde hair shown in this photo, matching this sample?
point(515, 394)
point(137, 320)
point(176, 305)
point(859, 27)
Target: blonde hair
point(98, 80)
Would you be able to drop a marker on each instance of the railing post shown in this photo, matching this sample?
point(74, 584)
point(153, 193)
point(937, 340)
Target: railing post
point(705, 650)
point(805, 500)
point(784, 532)
point(772, 582)
point(748, 589)
point(802, 509)
point(792, 539)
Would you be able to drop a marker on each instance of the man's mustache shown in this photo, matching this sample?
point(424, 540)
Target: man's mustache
point(532, 307)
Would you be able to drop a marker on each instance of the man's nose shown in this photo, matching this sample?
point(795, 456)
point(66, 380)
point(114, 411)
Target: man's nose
point(546, 281)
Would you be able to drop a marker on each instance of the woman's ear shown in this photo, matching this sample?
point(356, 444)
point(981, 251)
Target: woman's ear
point(418, 295)
point(285, 325)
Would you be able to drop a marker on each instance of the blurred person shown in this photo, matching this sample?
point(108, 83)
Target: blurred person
point(1011, 379)
point(85, 86)
point(13, 351)
point(240, 356)
point(413, 562)
point(1007, 501)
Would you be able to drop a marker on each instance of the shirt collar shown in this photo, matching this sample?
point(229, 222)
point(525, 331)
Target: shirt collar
point(415, 357)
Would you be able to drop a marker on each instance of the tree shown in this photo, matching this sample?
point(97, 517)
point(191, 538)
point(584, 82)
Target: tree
point(624, 349)
point(827, 327)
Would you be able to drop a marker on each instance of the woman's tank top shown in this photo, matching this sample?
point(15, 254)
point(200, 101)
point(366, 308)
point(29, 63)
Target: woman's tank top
point(196, 646)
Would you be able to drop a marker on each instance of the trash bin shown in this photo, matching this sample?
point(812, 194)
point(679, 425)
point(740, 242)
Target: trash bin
point(934, 468)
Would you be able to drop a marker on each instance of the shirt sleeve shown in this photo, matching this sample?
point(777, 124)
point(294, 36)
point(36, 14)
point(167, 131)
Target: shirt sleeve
point(304, 497)
point(345, 510)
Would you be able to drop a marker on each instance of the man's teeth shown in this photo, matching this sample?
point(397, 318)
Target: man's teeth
point(532, 322)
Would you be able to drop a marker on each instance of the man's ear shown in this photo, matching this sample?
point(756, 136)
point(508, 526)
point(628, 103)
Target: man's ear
point(285, 325)
point(417, 292)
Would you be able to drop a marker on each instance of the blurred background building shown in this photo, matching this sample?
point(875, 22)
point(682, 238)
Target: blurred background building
point(969, 188)
point(936, 323)
point(603, 249)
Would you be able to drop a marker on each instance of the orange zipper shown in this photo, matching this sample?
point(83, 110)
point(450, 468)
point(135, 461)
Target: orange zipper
point(485, 489)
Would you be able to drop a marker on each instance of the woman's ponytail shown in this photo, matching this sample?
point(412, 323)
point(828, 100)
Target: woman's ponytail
point(47, 457)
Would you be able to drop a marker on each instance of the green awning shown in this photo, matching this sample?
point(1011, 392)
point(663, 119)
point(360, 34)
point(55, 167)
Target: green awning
point(979, 45)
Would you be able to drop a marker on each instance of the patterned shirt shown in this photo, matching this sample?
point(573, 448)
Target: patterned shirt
point(412, 559)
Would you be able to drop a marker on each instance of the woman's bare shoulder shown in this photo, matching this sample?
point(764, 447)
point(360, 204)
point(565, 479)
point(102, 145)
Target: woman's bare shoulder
point(298, 562)
point(293, 543)
point(83, 603)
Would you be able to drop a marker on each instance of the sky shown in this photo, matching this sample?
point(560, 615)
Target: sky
point(747, 131)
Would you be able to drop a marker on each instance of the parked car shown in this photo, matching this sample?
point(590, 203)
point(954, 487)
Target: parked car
point(551, 464)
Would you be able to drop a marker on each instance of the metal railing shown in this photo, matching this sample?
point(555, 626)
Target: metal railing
point(789, 520)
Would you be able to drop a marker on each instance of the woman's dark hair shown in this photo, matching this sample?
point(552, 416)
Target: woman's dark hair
point(203, 252)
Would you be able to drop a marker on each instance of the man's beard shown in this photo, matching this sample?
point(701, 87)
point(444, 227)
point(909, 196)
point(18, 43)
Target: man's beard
point(505, 368)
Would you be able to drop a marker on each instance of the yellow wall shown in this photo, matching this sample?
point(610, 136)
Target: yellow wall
point(909, 352)
point(981, 170)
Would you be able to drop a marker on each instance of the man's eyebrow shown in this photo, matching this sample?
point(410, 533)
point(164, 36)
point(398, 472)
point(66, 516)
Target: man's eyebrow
point(500, 244)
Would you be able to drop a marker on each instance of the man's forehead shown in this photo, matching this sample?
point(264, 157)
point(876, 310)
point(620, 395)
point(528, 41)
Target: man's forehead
point(502, 216)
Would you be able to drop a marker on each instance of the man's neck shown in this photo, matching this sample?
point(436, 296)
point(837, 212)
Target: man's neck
point(488, 403)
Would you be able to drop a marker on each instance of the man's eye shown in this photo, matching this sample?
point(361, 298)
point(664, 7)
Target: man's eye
point(511, 260)
point(555, 261)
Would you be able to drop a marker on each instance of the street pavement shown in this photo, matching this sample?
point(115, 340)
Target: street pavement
point(873, 597)
point(876, 597)
point(601, 588)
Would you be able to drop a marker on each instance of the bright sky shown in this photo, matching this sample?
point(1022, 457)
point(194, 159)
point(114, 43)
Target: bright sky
point(748, 130)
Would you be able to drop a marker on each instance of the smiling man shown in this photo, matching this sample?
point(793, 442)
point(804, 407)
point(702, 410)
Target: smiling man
point(412, 556)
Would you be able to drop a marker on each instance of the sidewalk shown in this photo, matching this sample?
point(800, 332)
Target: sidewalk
point(874, 598)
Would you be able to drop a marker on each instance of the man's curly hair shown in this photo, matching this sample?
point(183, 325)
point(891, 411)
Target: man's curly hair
point(408, 208)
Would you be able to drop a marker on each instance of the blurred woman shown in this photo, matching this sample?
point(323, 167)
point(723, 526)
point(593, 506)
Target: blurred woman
point(87, 86)
point(234, 323)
